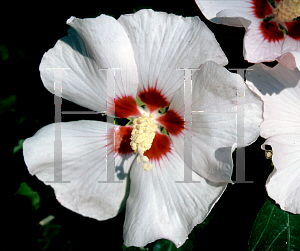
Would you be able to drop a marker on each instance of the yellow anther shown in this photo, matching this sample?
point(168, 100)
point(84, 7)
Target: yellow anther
point(138, 159)
point(142, 136)
point(287, 10)
point(147, 166)
point(145, 159)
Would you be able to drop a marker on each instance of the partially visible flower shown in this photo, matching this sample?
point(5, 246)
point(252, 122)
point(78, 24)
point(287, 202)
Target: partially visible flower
point(279, 88)
point(150, 49)
point(272, 27)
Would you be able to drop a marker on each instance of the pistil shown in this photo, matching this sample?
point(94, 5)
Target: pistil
point(142, 135)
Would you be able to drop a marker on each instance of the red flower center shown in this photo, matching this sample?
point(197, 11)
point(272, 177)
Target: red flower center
point(126, 106)
point(272, 27)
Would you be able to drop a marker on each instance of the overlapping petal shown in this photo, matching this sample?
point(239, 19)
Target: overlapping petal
point(264, 39)
point(279, 88)
point(217, 95)
point(92, 45)
point(240, 8)
point(291, 60)
point(83, 165)
point(165, 43)
point(162, 205)
point(283, 185)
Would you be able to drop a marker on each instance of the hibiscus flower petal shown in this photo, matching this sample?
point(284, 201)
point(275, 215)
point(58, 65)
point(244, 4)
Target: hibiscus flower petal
point(263, 41)
point(293, 29)
point(164, 42)
point(92, 44)
point(242, 10)
point(279, 88)
point(83, 165)
point(291, 60)
point(160, 205)
point(217, 95)
point(283, 185)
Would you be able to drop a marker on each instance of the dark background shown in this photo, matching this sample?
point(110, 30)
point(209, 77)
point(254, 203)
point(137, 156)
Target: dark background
point(27, 32)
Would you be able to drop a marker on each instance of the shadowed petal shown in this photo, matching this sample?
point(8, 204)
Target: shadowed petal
point(243, 10)
point(159, 206)
point(92, 44)
point(83, 164)
point(279, 88)
point(291, 60)
point(283, 185)
point(264, 39)
point(216, 96)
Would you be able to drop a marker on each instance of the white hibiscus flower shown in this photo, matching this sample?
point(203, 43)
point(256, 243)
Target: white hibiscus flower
point(272, 27)
point(148, 47)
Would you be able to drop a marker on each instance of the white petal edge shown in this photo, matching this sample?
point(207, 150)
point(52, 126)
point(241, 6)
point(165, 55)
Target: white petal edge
point(256, 48)
point(83, 164)
point(279, 88)
point(92, 44)
point(283, 185)
point(211, 10)
point(164, 44)
point(160, 207)
point(214, 122)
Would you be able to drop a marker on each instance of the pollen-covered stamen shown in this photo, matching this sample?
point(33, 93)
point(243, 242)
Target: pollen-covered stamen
point(142, 135)
point(287, 10)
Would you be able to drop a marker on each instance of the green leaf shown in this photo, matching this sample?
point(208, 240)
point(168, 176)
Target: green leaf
point(7, 104)
point(34, 197)
point(164, 245)
point(19, 146)
point(124, 248)
point(275, 229)
point(4, 53)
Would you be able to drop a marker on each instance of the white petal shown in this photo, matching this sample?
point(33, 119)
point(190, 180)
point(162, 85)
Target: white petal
point(159, 207)
point(241, 13)
point(92, 44)
point(214, 122)
point(283, 185)
point(257, 48)
point(241, 10)
point(279, 88)
point(291, 60)
point(164, 42)
point(83, 164)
